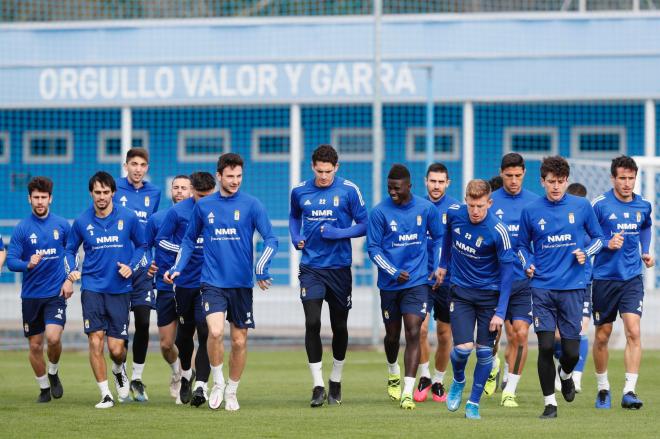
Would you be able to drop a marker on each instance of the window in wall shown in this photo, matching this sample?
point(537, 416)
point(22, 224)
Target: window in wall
point(109, 144)
point(270, 144)
point(202, 145)
point(48, 146)
point(446, 143)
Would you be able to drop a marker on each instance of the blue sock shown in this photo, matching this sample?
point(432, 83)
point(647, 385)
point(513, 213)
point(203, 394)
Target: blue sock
point(557, 349)
point(459, 358)
point(481, 372)
point(584, 351)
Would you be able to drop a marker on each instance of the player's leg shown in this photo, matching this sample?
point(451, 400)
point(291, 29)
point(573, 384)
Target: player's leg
point(141, 314)
point(184, 341)
point(33, 329)
point(584, 339)
point(215, 308)
point(54, 351)
point(339, 288)
point(96, 343)
point(569, 323)
point(391, 313)
point(54, 315)
point(508, 329)
point(167, 322)
point(544, 310)
point(630, 307)
point(494, 375)
point(424, 385)
point(463, 316)
point(606, 296)
point(117, 312)
point(314, 348)
point(444, 342)
point(600, 353)
point(202, 362)
point(412, 323)
point(241, 317)
point(339, 324)
point(516, 360)
point(632, 358)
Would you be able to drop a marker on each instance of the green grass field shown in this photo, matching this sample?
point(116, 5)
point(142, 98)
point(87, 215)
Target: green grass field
point(274, 394)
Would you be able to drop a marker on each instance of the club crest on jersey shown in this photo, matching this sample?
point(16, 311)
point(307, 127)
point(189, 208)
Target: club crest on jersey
point(419, 220)
point(56, 234)
point(571, 218)
point(393, 225)
point(211, 218)
point(335, 201)
point(542, 223)
point(638, 216)
point(146, 201)
point(120, 225)
point(480, 240)
point(237, 215)
point(444, 218)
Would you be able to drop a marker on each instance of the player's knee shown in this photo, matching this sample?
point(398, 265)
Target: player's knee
point(520, 336)
point(547, 344)
point(412, 333)
point(424, 332)
point(166, 344)
point(313, 324)
point(36, 346)
point(633, 336)
point(117, 352)
point(53, 341)
point(238, 343)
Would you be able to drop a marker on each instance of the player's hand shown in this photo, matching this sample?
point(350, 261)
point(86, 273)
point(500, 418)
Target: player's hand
point(34, 260)
point(264, 284)
point(301, 244)
point(495, 324)
point(580, 256)
point(124, 270)
point(153, 269)
point(67, 289)
point(74, 276)
point(169, 278)
point(616, 241)
point(649, 260)
point(530, 271)
point(403, 277)
point(440, 274)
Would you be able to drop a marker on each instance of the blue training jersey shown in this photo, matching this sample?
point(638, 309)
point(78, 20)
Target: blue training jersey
point(163, 259)
point(634, 220)
point(549, 234)
point(479, 256)
point(227, 225)
point(106, 242)
point(441, 208)
point(41, 236)
point(143, 201)
point(508, 207)
point(169, 240)
point(396, 241)
point(337, 206)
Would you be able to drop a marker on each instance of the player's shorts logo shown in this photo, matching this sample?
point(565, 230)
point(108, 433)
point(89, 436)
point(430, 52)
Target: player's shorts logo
point(303, 292)
point(386, 313)
point(26, 327)
point(641, 305)
point(182, 320)
point(597, 316)
point(536, 322)
point(56, 234)
point(206, 306)
point(86, 323)
point(451, 306)
point(571, 218)
point(146, 201)
point(120, 225)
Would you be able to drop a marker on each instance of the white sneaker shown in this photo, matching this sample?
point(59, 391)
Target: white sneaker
point(175, 385)
point(217, 395)
point(557, 381)
point(231, 402)
point(577, 380)
point(122, 385)
point(106, 402)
